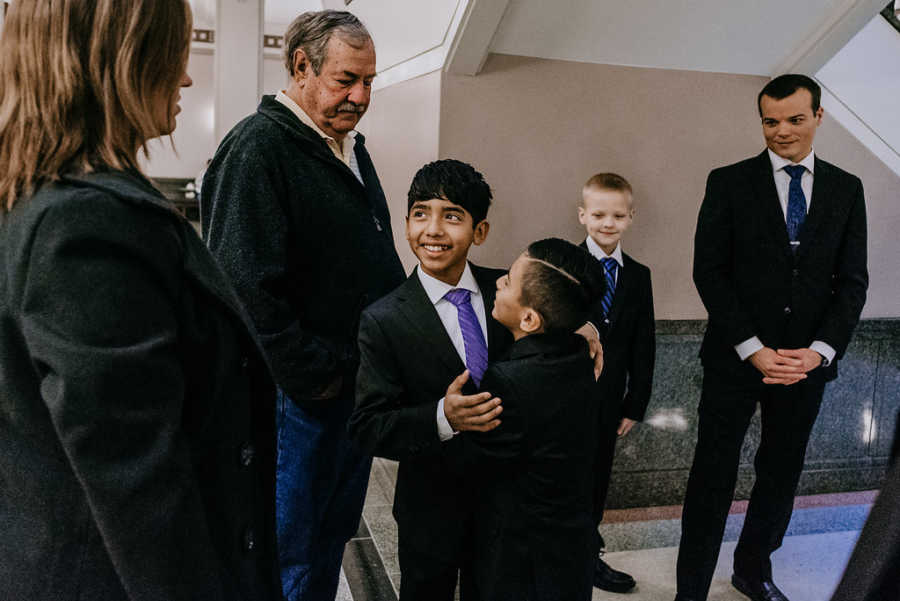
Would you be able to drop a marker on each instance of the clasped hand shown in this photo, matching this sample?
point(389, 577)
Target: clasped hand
point(785, 366)
point(475, 412)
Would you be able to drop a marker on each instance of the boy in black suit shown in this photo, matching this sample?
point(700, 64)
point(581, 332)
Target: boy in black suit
point(413, 344)
point(624, 314)
point(535, 538)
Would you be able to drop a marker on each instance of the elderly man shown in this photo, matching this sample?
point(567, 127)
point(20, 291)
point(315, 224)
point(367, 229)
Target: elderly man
point(294, 212)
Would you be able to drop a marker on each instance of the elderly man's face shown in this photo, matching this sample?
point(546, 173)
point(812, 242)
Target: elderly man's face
point(338, 96)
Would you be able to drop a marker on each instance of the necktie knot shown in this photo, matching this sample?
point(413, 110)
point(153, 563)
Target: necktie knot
point(795, 171)
point(458, 296)
point(610, 264)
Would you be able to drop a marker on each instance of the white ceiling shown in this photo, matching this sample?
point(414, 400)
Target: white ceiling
point(750, 37)
point(278, 12)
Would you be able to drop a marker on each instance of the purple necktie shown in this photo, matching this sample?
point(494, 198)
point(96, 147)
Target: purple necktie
point(473, 337)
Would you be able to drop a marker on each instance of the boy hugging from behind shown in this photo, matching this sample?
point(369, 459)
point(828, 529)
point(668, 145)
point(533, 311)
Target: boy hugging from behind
point(534, 536)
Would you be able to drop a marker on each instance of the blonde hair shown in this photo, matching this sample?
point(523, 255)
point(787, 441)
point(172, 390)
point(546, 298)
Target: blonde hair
point(606, 181)
point(80, 81)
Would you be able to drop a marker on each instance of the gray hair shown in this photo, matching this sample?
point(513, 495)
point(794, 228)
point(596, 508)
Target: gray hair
point(311, 31)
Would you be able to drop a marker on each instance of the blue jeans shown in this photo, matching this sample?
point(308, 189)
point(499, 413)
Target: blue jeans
point(321, 484)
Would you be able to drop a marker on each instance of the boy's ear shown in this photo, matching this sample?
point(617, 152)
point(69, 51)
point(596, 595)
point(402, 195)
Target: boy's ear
point(581, 215)
point(531, 321)
point(481, 232)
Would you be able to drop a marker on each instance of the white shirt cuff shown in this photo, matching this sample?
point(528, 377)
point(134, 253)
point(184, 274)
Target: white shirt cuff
point(445, 431)
point(748, 347)
point(824, 349)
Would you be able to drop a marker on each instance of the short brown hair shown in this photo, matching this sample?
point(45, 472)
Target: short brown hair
point(606, 181)
point(79, 83)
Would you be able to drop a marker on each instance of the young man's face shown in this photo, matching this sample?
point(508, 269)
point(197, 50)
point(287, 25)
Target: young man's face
point(606, 215)
point(789, 125)
point(440, 234)
point(508, 309)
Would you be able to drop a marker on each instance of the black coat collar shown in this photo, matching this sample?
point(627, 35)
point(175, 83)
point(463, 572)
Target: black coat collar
point(547, 344)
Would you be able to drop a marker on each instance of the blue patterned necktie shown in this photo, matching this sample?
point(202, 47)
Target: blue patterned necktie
point(610, 267)
point(796, 206)
point(473, 337)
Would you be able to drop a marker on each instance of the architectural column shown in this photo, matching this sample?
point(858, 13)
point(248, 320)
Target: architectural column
point(238, 61)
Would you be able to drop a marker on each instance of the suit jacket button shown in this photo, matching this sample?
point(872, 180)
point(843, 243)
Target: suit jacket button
point(245, 362)
point(796, 272)
point(249, 540)
point(787, 310)
point(247, 454)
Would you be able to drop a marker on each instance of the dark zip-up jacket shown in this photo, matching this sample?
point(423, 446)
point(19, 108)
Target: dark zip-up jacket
point(307, 245)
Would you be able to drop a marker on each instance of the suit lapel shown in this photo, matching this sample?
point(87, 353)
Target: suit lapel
point(820, 205)
point(488, 293)
point(767, 199)
point(421, 316)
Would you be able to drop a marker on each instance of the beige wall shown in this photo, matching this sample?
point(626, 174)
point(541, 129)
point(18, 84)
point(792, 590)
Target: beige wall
point(539, 128)
point(401, 129)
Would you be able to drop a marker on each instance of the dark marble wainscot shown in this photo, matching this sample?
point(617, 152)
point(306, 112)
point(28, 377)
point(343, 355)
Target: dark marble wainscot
point(848, 449)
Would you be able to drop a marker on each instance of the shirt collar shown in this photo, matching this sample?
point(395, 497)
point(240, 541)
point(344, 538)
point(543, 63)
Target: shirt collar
point(779, 162)
point(598, 253)
point(436, 289)
point(287, 101)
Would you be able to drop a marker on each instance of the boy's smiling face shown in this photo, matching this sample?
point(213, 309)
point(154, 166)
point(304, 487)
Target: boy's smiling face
point(440, 234)
point(606, 215)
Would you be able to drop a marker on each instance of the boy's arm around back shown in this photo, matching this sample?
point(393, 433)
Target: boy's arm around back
point(385, 421)
point(642, 354)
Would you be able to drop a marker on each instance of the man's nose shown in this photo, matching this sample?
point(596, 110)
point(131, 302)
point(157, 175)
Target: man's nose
point(359, 94)
point(434, 226)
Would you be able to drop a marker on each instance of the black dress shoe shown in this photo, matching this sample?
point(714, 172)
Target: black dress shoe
point(758, 590)
point(608, 579)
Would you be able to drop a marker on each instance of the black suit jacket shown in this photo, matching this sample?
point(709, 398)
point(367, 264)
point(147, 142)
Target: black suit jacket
point(407, 361)
point(137, 454)
point(535, 535)
point(628, 335)
point(750, 281)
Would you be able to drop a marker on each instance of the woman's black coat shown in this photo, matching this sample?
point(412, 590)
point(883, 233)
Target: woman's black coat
point(136, 415)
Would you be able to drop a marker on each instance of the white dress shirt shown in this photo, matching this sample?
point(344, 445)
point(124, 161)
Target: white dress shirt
point(343, 152)
point(782, 185)
point(447, 312)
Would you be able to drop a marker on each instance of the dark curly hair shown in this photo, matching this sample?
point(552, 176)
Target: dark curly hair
point(455, 181)
point(560, 282)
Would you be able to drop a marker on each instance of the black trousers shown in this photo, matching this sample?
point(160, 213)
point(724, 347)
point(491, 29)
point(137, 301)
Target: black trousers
point(426, 577)
point(726, 405)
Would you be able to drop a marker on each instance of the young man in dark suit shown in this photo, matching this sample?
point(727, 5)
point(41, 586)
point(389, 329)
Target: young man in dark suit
point(780, 264)
point(423, 351)
point(624, 315)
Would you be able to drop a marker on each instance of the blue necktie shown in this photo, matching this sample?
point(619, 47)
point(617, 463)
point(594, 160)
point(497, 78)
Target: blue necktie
point(610, 265)
point(473, 337)
point(796, 207)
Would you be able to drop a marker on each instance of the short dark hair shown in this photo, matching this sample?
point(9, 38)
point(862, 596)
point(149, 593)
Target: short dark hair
point(785, 85)
point(312, 30)
point(560, 283)
point(455, 181)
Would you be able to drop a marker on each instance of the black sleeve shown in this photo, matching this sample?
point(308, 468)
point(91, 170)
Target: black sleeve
point(100, 319)
point(642, 357)
point(713, 258)
point(851, 279)
point(248, 234)
point(386, 422)
point(485, 452)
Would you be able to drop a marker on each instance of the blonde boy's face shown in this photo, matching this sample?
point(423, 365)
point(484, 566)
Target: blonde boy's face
point(606, 215)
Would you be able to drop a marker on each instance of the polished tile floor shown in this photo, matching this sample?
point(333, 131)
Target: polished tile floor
point(642, 542)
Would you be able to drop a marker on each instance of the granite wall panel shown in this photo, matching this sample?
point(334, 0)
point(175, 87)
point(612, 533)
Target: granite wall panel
point(848, 448)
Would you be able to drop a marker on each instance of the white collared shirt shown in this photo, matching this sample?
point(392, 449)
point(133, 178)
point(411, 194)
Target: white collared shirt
point(343, 152)
point(599, 254)
point(783, 178)
point(448, 314)
point(782, 185)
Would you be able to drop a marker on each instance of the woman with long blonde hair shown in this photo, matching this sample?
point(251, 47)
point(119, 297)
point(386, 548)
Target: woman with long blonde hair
point(136, 412)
